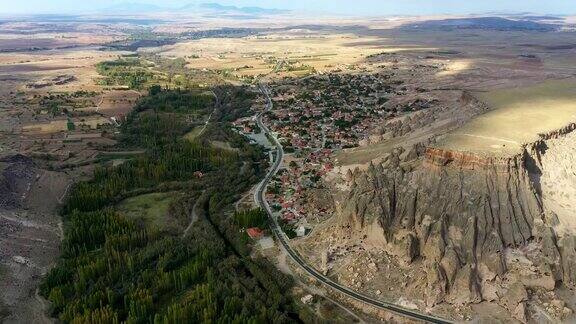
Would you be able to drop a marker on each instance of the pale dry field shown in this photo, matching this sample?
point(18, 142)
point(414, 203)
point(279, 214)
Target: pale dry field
point(262, 55)
point(519, 115)
point(113, 103)
point(50, 41)
point(36, 66)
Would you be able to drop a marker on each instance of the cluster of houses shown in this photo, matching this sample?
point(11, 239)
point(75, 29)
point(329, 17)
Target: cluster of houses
point(286, 197)
point(334, 111)
point(312, 118)
point(245, 125)
point(290, 188)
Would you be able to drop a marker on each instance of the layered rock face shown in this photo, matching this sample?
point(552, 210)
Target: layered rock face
point(477, 225)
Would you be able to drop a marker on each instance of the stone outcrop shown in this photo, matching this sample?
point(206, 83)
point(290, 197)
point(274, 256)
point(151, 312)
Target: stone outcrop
point(16, 173)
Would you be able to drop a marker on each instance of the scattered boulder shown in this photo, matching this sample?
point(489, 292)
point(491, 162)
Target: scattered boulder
point(519, 312)
point(515, 295)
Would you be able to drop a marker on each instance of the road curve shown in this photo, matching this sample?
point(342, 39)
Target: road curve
point(281, 236)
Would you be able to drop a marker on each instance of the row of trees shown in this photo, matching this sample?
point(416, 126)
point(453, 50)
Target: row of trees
point(176, 162)
point(251, 218)
point(177, 101)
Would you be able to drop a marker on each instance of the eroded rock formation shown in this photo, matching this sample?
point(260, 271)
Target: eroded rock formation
point(478, 225)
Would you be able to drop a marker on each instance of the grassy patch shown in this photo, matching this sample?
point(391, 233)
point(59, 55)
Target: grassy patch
point(131, 72)
point(193, 134)
point(251, 218)
point(151, 208)
point(223, 146)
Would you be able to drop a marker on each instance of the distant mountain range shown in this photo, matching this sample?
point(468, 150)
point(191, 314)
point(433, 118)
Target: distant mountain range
point(135, 7)
point(488, 23)
point(248, 10)
point(214, 8)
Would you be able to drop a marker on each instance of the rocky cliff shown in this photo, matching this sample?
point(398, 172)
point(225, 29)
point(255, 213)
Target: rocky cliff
point(477, 225)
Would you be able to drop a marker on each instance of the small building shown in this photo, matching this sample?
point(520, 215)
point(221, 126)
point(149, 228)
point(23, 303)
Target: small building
point(300, 231)
point(307, 299)
point(255, 233)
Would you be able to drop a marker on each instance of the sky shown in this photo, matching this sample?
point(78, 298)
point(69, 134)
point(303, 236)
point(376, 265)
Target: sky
point(356, 7)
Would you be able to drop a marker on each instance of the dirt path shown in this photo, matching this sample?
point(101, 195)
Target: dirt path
point(313, 290)
point(282, 264)
point(216, 105)
point(194, 216)
point(247, 195)
point(100, 103)
point(206, 123)
point(61, 199)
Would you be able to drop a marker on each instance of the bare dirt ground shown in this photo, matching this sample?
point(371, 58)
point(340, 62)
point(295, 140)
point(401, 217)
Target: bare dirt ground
point(117, 102)
point(30, 235)
point(31, 129)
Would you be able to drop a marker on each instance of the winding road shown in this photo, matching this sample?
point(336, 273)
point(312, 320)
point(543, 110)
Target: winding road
point(259, 195)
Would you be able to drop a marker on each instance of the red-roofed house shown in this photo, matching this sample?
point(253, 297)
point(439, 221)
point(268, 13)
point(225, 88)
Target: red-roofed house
point(255, 233)
point(288, 216)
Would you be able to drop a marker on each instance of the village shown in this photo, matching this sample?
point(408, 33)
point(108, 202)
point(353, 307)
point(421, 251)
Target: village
point(313, 118)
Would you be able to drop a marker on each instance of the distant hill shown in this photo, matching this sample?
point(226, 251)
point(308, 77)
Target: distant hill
point(213, 8)
point(544, 18)
point(233, 9)
point(133, 7)
point(488, 23)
